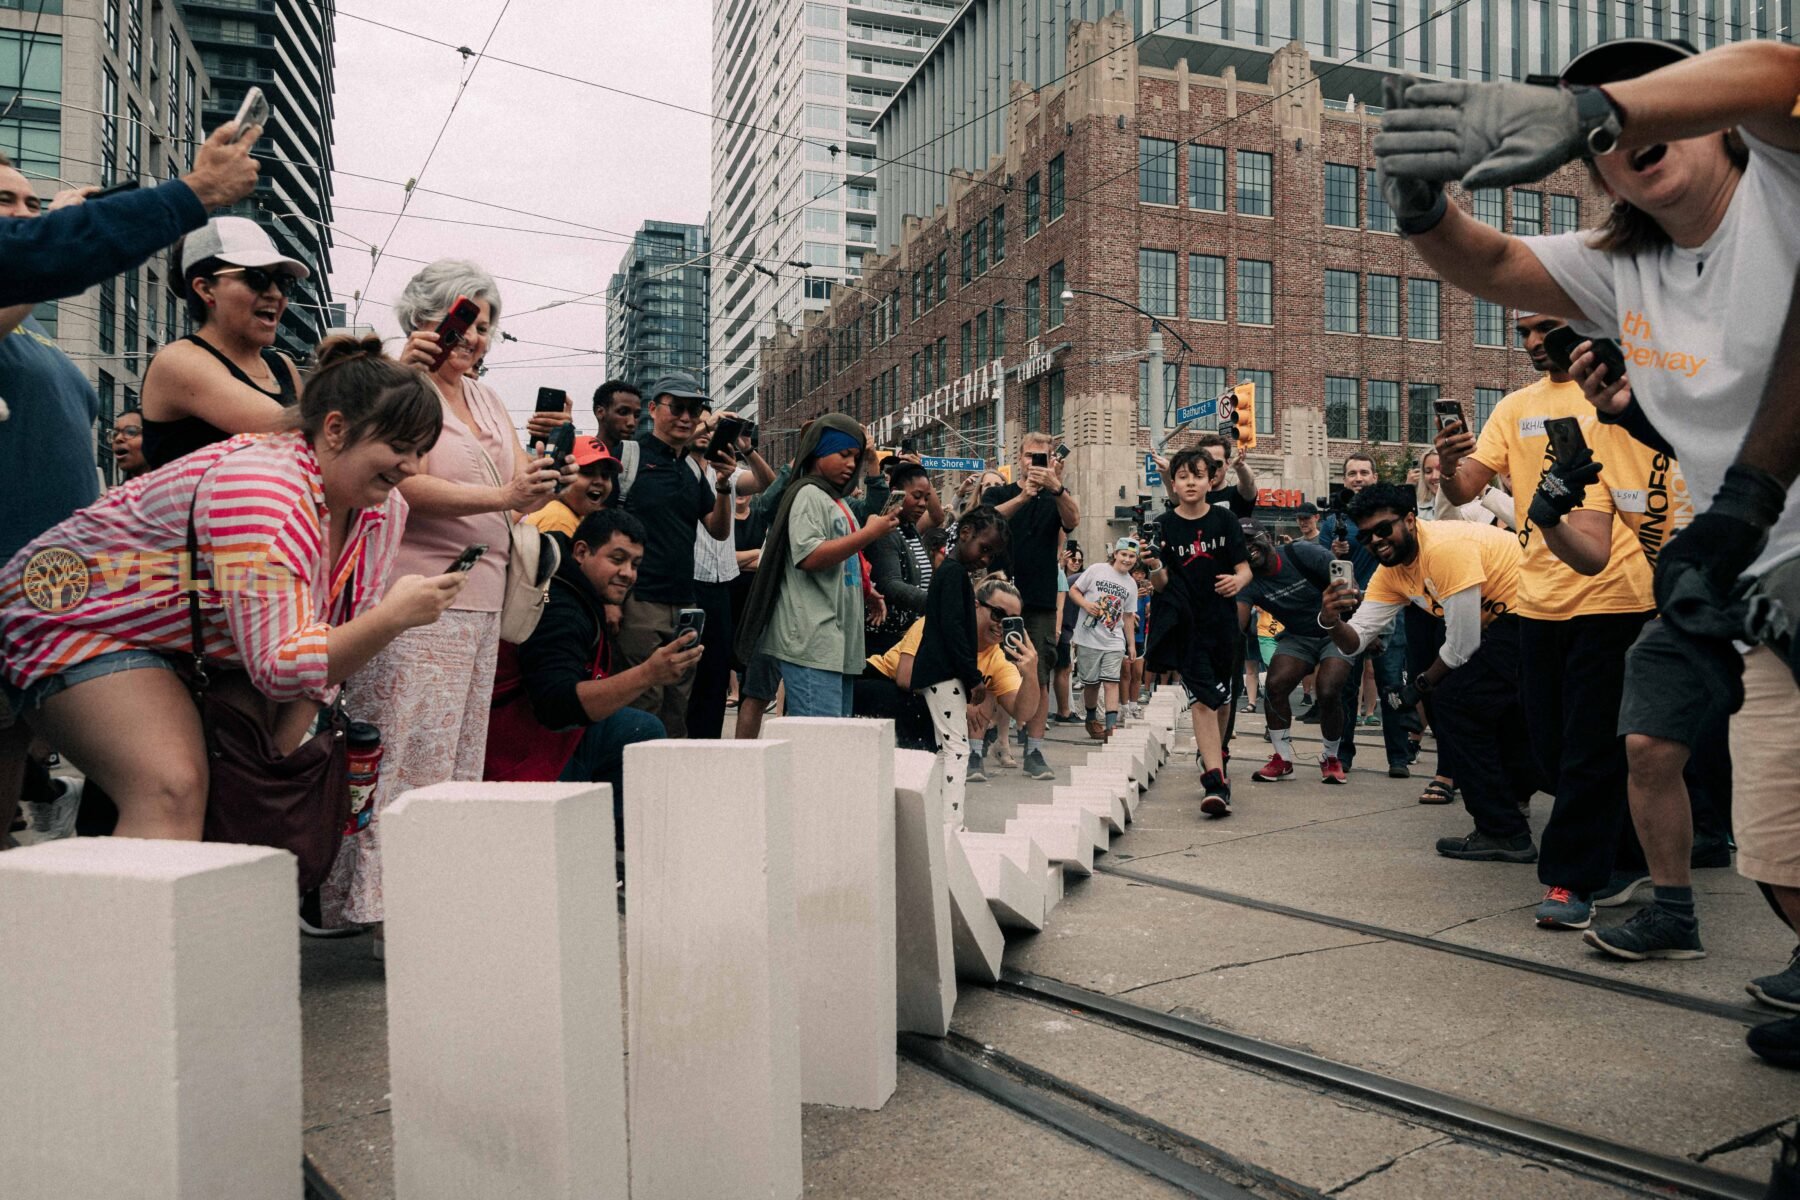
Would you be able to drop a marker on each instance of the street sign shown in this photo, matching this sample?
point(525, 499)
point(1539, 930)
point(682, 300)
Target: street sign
point(1152, 477)
point(1192, 412)
point(953, 464)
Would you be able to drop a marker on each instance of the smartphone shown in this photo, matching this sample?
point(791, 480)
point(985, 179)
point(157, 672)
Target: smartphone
point(1040, 459)
point(552, 400)
point(253, 111)
point(908, 446)
point(725, 436)
point(1343, 571)
point(1012, 632)
point(690, 619)
point(755, 432)
point(1062, 452)
point(1449, 412)
point(468, 558)
point(1565, 438)
point(130, 185)
point(457, 322)
point(1559, 347)
point(561, 444)
point(1147, 534)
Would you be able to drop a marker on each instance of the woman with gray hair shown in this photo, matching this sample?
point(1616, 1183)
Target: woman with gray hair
point(429, 691)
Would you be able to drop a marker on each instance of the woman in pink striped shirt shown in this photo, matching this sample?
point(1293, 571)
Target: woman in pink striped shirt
point(297, 532)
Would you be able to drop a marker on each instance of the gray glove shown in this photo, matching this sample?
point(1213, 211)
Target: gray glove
point(1487, 134)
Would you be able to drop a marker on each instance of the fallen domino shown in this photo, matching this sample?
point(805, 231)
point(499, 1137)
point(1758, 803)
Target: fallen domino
point(1064, 833)
point(1102, 803)
point(975, 935)
point(1015, 898)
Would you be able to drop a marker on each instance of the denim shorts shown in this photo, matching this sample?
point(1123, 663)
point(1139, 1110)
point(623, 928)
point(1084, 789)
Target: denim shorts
point(19, 700)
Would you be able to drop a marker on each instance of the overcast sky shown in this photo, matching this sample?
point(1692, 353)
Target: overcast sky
point(521, 140)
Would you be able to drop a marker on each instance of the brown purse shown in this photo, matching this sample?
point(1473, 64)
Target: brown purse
point(256, 795)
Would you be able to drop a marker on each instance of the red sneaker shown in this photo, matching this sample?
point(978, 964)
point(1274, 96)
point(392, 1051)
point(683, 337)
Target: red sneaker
point(1276, 768)
point(1331, 770)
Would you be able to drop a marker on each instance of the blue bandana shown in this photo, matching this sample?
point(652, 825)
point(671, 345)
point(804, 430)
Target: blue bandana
point(834, 441)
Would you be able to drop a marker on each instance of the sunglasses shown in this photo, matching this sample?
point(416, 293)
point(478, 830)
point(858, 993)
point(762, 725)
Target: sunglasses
point(1381, 529)
point(998, 613)
point(686, 406)
point(258, 280)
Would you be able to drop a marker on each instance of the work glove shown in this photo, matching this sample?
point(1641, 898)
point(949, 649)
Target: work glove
point(1486, 134)
point(1723, 541)
point(1562, 489)
point(1418, 204)
point(1406, 697)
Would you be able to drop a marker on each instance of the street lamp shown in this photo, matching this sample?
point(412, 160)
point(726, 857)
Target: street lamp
point(1154, 349)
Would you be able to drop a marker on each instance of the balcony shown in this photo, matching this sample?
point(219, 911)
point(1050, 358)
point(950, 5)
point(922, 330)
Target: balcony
point(888, 37)
point(236, 6)
point(203, 32)
point(863, 98)
point(908, 8)
point(881, 67)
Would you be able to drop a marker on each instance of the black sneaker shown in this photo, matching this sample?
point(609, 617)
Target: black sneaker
point(1781, 990)
point(1709, 853)
point(1217, 800)
point(1777, 1042)
point(1311, 716)
point(312, 920)
point(1479, 847)
point(1652, 932)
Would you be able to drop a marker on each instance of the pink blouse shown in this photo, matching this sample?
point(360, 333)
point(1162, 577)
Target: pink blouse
point(432, 543)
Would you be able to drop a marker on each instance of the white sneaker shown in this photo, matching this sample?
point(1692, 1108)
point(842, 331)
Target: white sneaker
point(53, 819)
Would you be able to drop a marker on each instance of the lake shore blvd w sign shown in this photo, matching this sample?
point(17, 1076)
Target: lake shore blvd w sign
point(984, 385)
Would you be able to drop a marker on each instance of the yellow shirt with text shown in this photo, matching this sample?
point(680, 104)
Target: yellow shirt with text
point(1453, 557)
point(1648, 492)
point(996, 669)
point(1513, 443)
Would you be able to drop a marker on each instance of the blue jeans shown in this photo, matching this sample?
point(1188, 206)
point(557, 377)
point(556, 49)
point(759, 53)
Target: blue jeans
point(600, 756)
point(815, 693)
point(1390, 675)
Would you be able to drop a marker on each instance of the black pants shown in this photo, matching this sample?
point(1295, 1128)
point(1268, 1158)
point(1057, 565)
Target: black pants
point(1424, 638)
point(875, 695)
point(1478, 708)
point(1572, 679)
point(1708, 778)
point(712, 678)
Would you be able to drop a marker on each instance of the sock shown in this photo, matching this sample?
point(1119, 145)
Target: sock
point(1677, 900)
point(1093, 714)
point(1283, 744)
point(1112, 717)
point(1331, 747)
point(1034, 745)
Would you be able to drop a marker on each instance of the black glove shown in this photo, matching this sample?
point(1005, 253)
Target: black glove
point(1562, 489)
point(1723, 541)
point(1406, 697)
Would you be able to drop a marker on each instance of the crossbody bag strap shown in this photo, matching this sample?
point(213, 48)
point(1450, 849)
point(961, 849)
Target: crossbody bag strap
point(195, 628)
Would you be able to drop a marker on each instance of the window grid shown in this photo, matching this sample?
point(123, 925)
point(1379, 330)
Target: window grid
point(1565, 214)
point(1341, 196)
point(1206, 178)
point(1156, 282)
point(1341, 288)
point(1054, 282)
point(1256, 287)
point(109, 314)
point(1384, 305)
point(998, 225)
point(1033, 309)
point(1206, 287)
point(1419, 399)
point(1422, 323)
point(1033, 187)
point(1156, 171)
point(1489, 207)
point(1490, 323)
point(1055, 204)
point(1056, 403)
point(1255, 183)
point(968, 257)
point(1265, 396)
point(1171, 391)
point(109, 124)
point(1528, 213)
point(1204, 383)
point(1341, 406)
point(1486, 399)
point(1381, 217)
point(1384, 410)
point(981, 247)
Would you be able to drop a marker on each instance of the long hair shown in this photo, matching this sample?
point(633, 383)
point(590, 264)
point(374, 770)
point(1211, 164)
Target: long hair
point(1632, 231)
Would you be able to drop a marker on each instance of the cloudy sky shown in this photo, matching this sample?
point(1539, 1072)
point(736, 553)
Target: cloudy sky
point(591, 164)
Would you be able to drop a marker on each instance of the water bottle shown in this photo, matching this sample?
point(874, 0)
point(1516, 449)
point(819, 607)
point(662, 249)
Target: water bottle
point(365, 770)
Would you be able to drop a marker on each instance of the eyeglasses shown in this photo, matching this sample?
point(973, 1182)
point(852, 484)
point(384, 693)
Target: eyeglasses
point(686, 406)
point(1381, 529)
point(258, 280)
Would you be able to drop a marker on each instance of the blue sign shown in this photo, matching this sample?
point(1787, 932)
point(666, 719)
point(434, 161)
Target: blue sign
point(1152, 476)
point(1201, 408)
point(953, 464)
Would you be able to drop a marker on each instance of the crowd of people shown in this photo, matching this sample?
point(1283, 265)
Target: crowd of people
point(371, 536)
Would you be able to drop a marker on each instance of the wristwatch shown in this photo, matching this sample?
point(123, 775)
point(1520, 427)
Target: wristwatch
point(1599, 117)
point(1061, 491)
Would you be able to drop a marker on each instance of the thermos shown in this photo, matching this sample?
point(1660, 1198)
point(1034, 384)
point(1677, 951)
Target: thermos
point(365, 770)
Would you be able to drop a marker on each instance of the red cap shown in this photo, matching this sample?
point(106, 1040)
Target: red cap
point(591, 450)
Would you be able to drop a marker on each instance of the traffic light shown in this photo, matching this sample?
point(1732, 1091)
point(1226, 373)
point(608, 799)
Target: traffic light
point(1244, 415)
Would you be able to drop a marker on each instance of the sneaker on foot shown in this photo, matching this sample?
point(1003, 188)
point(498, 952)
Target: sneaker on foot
point(312, 920)
point(1276, 768)
point(1398, 771)
point(1562, 909)
point(1777, 1042)
point(1782, 990)
point(1311, 716)
point(1477, 846)
point(1065, 718)
point(1652, 932)
point(1036, 767)
point(977, 774)
point(1331, 770)
point(1709, 853)
point(1217, 800)
point(1620, 888)
point(54, 819)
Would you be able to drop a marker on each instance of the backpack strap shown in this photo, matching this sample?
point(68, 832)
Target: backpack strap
point(628, 465)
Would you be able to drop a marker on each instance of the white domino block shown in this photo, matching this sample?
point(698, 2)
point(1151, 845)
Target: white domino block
point(1066, 834)
point(1101, 802)
point(1132, 761)
point(1016, 899)
point(715, 1068)
point(1094, 827)
point(1026, 855)
point(529, 1046)
point(153, 991)
point(925, 956)
point(1053, 887)
point(844, 897)
point(1110, 778)
point(974, 933)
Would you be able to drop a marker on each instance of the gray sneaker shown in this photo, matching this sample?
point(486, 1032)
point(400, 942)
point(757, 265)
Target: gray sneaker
point(1036, 767)
point(1780, 991)
point(977, 773)
point(1620, 888)
point(1652, 932)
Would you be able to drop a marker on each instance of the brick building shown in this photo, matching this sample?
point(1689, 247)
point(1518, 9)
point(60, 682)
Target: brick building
point(1239, 209)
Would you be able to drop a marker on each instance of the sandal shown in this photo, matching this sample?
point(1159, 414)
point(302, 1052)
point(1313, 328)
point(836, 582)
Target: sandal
point(1438, 792)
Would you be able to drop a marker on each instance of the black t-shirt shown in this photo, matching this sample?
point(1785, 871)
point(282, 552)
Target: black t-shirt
point(669, 499)
point(1202, 550)
point(1036, 532)
point(1232, 500)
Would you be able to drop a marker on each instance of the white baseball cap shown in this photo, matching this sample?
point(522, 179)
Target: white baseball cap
point(238, 241)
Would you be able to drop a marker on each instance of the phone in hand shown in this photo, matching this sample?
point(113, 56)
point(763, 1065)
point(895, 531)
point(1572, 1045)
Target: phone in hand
point(469, 557)
point(456, 324)
point(1559, 347)
point(1062, 452)
point(253, 111)
point(1449, 412)
point(1343, 571)
point(1040, 459)
point(690, 619)
point(1565, 438)
point(128, 185)
point(552, 400)
point(725, 436)
point(560, 446)
point(908, 446)
point(1012, 633)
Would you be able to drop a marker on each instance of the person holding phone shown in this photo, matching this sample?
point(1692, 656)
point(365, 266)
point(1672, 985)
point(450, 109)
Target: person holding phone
point(1105, 633)
point(430, 690)
point(898, 562)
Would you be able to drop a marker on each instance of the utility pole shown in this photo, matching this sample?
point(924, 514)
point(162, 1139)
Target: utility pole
point(1155, 389)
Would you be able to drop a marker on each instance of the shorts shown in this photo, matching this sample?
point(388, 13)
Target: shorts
point(1040, 625)
point(1677, 686)
point(761, 679)
point(1208, 672)
point(1064, 656)
point(1094, 667)
point(20, 700)
point(1310, 650)
point(1765, 808)
point(1269, 651)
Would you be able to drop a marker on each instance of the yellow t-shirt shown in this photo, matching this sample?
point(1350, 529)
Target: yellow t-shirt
point(1266, 625)
point(1513, 443)
point(996, 669)
point(1453, 557)
point(1648, 492)
point(554, 517)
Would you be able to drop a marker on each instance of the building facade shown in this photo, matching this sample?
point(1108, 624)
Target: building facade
point(284, 47)
point(100, 92)
point(1251, 230)
point(1350, 45)
point(796, 88)
point(656, 305)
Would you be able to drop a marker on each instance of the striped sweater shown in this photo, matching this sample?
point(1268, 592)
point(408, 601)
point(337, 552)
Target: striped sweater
point(114, 575)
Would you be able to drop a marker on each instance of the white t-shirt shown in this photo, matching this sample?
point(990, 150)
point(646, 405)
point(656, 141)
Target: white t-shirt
point(715, 559)
point(1116, 594)
point(1699, 327)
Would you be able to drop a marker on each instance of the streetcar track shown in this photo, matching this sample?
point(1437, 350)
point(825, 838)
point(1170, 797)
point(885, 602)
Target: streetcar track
point(1542, 1140)
point(1743, 1014)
